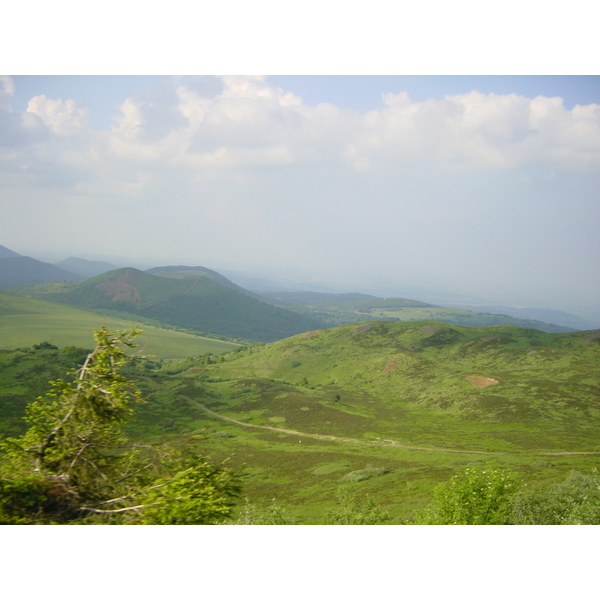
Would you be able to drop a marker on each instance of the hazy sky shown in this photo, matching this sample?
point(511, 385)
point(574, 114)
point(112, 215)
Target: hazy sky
point(477, 185)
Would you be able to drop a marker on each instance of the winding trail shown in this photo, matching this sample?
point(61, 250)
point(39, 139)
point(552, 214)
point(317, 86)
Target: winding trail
point(333, 438)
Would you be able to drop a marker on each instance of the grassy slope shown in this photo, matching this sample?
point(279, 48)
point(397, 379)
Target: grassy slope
point(195, 303)
point(395, 381)
point(24, 322)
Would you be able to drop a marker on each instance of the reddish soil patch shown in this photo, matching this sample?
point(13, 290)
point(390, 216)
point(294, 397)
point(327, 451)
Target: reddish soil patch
point(532, 352)
point(431, 329)
point(310, 333)
point(392, 366)
point(364, 327)
point(121, 291)
point(594, 335)
point(481, 382)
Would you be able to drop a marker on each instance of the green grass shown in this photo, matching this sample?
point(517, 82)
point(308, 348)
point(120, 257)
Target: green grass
point(197, 304)
point(372, 384)
point(24, 322)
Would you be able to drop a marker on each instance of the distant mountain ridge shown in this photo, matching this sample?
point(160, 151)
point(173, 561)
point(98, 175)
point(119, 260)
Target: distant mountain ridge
point(24, 270)
point(85, 268)
point(7, 253)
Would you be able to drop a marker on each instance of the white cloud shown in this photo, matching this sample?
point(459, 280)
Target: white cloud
point(6, 93)
point(62, 117)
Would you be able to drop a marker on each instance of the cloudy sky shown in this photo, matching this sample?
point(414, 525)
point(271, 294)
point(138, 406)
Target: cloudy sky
point(480, 186)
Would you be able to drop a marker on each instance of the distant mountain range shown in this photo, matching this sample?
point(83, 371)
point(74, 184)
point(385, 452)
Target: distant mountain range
point(179, 296)
point(7, 253)
point(24, 270)
point(85, 268)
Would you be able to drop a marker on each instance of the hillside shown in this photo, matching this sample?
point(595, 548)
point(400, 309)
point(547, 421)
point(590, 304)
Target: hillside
point(342, 309)
point(193, 303)
point(406, 379)
point(25, 322)
point(23, 270)
point(182, 271)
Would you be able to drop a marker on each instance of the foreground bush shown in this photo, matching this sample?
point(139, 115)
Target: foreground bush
point(74, 465)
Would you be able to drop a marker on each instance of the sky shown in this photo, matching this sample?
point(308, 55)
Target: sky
point(480, 186)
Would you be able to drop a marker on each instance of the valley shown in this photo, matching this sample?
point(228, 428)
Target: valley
point(306, 394)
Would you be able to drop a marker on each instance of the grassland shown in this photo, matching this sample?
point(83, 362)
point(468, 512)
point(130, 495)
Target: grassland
point(198, 304)
point(24, 322)
point(400, 401)
point(387, 409)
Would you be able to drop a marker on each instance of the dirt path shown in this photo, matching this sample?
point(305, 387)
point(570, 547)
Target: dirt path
point(389, 443)
point(318, 436)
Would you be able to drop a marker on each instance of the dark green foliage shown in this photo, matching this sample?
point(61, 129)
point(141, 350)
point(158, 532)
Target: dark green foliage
point(576, 501)
point(74, 465)
point(194, 303)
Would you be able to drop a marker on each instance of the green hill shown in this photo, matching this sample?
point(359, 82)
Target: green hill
point(387, 410)
point(24, 322)
point(341, 309)
point(433, 383)
point(193, 303)
point(182, 271)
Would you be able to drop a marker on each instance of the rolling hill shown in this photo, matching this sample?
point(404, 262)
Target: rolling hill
point(341, 309)
point(194, 303)
point(405, 380)
point(25, 322)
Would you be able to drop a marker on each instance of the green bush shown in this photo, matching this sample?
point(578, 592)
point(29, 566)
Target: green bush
point(475, 497)
point(351, 512)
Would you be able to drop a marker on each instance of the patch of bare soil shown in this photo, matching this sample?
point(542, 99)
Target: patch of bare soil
point(121, 291)
point(364, 327)
point(392, 366)
point(431, 329)
point(310, 333)
point(595, 334)
point(480, 381)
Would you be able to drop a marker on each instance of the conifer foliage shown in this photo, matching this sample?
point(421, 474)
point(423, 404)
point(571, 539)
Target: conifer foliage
point(74, 465)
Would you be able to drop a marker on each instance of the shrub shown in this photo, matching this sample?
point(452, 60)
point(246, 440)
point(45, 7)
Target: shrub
point(474, 497)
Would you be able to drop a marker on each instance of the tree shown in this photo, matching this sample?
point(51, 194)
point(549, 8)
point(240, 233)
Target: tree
point(74, 464)
point(474, 497)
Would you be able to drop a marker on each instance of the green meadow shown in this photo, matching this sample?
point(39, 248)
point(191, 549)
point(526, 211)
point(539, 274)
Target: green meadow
point(384, 410)
point(24, 322)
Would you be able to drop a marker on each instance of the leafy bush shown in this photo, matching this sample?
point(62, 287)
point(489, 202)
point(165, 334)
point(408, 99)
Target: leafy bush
point(576, 501)
point(351, 512)
point(272, 515)
point(474, 497)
